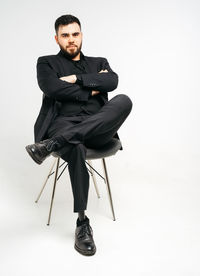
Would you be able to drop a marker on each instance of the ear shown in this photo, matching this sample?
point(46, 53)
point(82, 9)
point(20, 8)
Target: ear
point(56, 39)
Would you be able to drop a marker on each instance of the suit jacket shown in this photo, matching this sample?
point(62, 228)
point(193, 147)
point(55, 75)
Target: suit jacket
point(51, 68)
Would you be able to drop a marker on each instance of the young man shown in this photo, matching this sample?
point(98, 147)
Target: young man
point(76, 114)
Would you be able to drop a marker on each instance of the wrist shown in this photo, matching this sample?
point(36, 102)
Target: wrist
point(79, 79)
point(75, 78)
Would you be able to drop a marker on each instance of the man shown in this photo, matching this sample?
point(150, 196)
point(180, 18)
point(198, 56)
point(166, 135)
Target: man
point(76, 114)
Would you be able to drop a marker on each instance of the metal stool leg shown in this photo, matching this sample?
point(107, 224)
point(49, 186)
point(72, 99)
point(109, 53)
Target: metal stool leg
point(108, 187)
point(46, 181)
point(54, 187)
point(94, 179)
point(92, 171)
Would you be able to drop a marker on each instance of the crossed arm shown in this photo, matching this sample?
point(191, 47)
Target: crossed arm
point(66, 88)
point(73, 79)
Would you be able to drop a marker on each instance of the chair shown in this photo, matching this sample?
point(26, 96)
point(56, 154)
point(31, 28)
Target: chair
point(108, 150)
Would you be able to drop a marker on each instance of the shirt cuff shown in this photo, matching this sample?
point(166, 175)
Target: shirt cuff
point(79, 79)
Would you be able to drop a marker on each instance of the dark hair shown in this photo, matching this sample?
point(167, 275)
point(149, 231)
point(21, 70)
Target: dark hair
point(65, 20)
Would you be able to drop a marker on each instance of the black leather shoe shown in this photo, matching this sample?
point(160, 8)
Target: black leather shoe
point(39, 151)
point(84, 242)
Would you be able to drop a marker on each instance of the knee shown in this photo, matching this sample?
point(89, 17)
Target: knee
point(72, 150)
point(78, 149)
point(125, 102)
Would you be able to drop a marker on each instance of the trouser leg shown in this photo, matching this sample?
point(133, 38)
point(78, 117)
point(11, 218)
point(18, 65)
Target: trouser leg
point(78, 175)
point(104, 123)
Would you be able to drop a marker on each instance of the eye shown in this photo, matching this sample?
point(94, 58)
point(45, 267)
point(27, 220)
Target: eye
point(76, 34)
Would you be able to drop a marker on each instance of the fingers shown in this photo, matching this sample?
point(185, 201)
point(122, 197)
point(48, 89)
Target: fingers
point(103, 71)
point(94, 92)
point(70, 78)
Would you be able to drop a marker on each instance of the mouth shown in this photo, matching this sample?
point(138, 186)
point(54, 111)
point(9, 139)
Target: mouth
point(71, 46)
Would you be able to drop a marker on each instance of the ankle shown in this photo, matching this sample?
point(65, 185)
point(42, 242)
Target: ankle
point(82, 222)
point(52, 144)
point(81, 215)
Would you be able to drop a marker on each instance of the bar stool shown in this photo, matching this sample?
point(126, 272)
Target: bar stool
point(107, 150)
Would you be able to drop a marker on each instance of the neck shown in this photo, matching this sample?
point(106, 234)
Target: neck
point(77, 57)
point(65, 54)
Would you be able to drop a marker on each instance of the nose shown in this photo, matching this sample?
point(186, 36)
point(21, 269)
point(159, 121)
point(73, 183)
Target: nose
point(71, 39)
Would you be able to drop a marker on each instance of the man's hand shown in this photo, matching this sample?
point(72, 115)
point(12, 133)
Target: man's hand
point(104, 71)
point(70, 78)
point(94, 92)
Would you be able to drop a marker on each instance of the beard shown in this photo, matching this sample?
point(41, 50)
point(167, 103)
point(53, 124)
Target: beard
point(70, 54)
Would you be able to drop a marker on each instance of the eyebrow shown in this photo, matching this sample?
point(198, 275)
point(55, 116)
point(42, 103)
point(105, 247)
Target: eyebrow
point(69, 33)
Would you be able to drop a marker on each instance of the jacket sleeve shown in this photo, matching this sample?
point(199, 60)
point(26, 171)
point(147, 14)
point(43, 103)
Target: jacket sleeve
point(53, 87)
point(103, 82)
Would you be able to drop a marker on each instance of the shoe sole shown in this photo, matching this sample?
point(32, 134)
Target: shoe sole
point(83, 252)
point(32, 155)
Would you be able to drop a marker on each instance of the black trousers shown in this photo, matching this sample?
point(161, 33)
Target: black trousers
point(92, 131)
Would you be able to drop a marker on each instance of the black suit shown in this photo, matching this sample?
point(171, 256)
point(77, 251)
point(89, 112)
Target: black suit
point(78, 129)
point(51, 68)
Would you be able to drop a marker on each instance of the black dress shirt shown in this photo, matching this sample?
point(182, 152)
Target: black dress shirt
point(89, 107)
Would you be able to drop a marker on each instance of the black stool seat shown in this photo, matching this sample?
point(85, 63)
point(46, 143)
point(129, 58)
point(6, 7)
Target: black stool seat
point(108, 149)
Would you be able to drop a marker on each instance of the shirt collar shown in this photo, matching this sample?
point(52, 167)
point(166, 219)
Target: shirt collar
point(62, 53)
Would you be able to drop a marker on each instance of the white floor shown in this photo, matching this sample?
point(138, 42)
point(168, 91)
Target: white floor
point(157, 231)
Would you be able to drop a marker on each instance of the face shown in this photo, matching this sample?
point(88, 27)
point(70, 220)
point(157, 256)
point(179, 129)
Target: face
point(69, 38)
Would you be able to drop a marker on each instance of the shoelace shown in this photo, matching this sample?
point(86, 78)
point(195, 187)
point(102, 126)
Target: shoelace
point(85, 229)
point(51, 145)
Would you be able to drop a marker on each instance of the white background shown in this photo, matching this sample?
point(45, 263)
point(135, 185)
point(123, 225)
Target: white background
point(154, 48)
